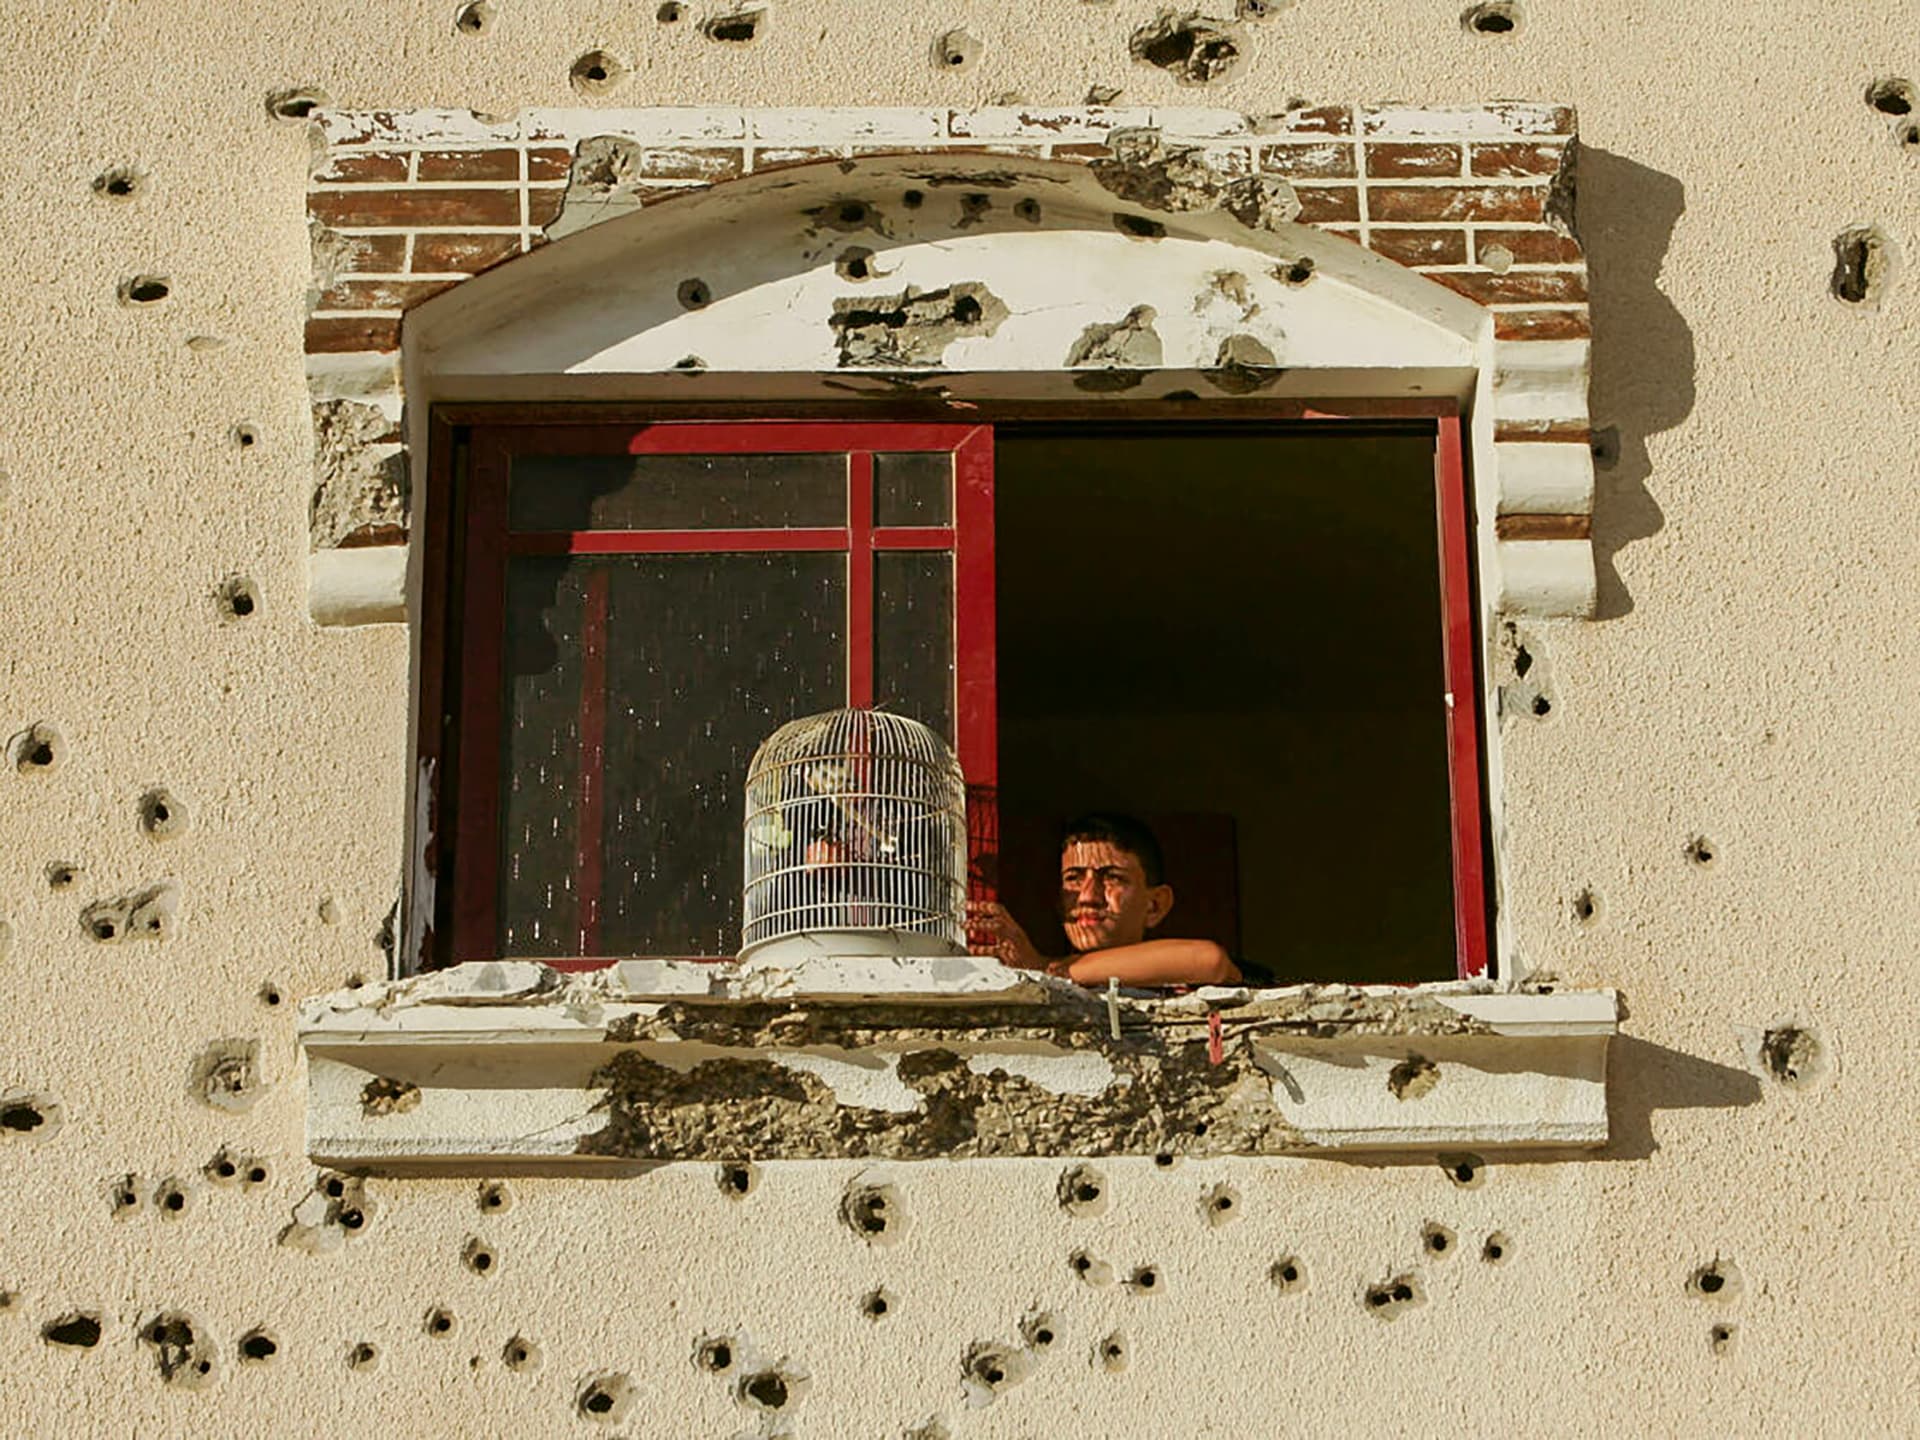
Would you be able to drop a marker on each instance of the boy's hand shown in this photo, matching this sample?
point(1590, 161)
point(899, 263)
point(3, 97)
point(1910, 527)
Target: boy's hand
point(1004, 937)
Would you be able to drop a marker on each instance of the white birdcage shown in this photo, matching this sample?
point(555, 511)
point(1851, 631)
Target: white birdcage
point(856, 840)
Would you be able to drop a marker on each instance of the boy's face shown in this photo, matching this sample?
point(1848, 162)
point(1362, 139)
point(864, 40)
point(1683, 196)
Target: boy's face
point(1104, 896)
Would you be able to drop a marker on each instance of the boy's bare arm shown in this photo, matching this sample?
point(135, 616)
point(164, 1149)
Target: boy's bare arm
point(1152, 962)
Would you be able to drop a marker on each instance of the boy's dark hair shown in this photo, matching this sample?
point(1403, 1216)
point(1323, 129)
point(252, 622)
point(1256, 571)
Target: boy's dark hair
point(1124, 832)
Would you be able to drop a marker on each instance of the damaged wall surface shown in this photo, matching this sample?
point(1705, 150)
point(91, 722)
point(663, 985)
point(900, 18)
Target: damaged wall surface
point(1703, 806)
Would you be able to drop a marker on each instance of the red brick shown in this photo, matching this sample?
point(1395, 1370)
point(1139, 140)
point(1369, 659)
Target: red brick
point(453, 253)
point(1400, 161)
point(368, 537)
point(1541, 325)
point(468, 165)
point(543, 206)
point(1319, 203)
point(693, 164)
point(1455, 202)
point(1531, 247)
point(374, 254)
point(1516, 287)
point(1342, 232)
point(549, 164)
point(415, 207)
point(1509, 161)
point(1081, 150)
point(1562, 432)
point(381, 294)
point(1320, 120)
point(1420, 247)
point(374, 332)
point(365, 165)
point(1321, 160)
point(1543, 527)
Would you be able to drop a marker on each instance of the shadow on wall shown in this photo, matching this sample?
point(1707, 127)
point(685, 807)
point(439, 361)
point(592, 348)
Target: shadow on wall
point(1642, 351)
point(1643, 1077)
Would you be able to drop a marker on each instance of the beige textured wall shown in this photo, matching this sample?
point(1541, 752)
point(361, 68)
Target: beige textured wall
point(1751, 681)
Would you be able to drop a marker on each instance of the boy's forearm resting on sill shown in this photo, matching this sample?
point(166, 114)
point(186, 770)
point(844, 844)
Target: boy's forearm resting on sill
point(1151, 962)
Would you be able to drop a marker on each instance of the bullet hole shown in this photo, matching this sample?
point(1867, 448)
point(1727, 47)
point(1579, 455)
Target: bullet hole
point(873, 1212)
point(989, 1369)
point(597, 73)
point(226, 1075)
point(328, 910)
point(1701, 852)
point(1095, 1272)
point(354, 981)
point(877, 1304)
point(76, 1331)
point(1111, 1354)
point(1720, 1339)
point(1139, 227)
point(606, 1398)
point(1413, 1078)
point(121, 182)
point(162, 816)
point(334, 1187)
point(1165, 1160)
point(123, 1196)
point(1145, 1280)
point(914, 327)
point(172, 1199)
point(1717, 1280)
point(1862, 264)
point(223, 1169)
point(1792, 1055)
point(478, 1256)
point(973, 210)
point(179, 1352)
point(690, 365)
point(256, 1173)
point(384, 1095)
point(295, 106)
point(1891, 96)
point(671, 13)
point(1083, 1191)
point(912, 199)
point(740, 28)
point(955, 51)
point(1039, 1331)
point(25, 1115)
point(238, 598)
point(1391, 1298)
point(713, 1354)
point(847, 214)
point(1496, 1248)
point(269, 995)
point(771, 1389)
point(62, 875)
point(1466, 1171)
point(738, 1179)
point(1907, 136)
point(494, 1198)
point(1295, 272)
point(1585, 908)
point(1437, 1240)
point(363, 1355)
point(474, 18)
point(147, 915)
point(258, 1346)
point(140, 291)
point(1193, 48)
point(39, 750)
point(1287, 1274)
point(244, 436)
point(1605, 445)
point(854, 263)
point(439, 1323)
point(1219, 1205)
point(1261, 9)
point(1495, 17)
point(694, 295)
point(521, 1355)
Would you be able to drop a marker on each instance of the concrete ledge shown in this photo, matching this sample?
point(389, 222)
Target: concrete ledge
point(366, 585)
point(649, 1062)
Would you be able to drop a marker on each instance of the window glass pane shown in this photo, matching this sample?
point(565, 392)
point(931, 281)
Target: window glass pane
point(913, 636)
point(677, 492)
point(913, 488)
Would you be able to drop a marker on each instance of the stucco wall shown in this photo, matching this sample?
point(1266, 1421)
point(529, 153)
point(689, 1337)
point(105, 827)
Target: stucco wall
point(1749, 682)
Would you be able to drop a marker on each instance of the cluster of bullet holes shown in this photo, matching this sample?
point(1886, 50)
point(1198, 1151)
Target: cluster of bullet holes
point(1111, 1353)
point(1390, 1299)
point(1287, 1275)
point(873, 1212)
point(1466, 1171)
point(694, 294)
point(955, 51)
point(1413, 1078)
point(77, 1330)
point(474, 18)
point(1701, 853)
point(1083, 1191)
point(1192, 48)
point(1220, 1204)
point(383, 1095)
point(598, 72)
point(337, 1209)
point(248, 1172)
point(521, 1355)
point(1863, 262)
point(28, 1115)
point(142, 291)
point(238, 598)
point(180, 1352)
point(478, 1256)
point(738, 1179)
point(1897, 99)
point(606, 1398)
point(145, 915)
point(1793, 1056)
point(989, 1369)
point(295, 106)
point(1492, 17)
point(244, 436)
point(39, 750)
point(1097, 1273)
point(741, 27)
point(162, 816)
point(120, 182)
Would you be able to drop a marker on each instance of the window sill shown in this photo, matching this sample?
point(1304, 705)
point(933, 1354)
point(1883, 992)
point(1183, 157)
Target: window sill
point(500, 1064)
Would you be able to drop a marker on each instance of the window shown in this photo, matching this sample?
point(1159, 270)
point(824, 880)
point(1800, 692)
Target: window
point(1258, 634)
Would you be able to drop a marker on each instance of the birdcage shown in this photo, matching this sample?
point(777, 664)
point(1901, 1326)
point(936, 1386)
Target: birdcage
point(856, 840)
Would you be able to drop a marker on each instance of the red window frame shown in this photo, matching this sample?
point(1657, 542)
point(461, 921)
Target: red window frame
point(458, 549)
point(490, 543)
